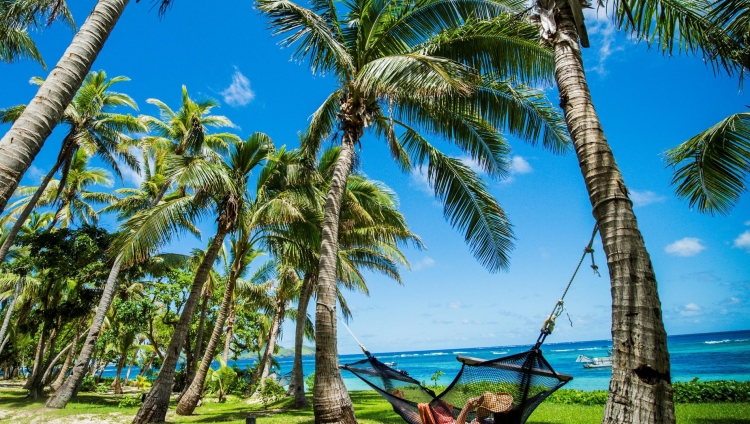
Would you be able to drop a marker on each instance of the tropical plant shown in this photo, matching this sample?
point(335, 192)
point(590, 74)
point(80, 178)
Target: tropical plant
point(225, 195)
point(151, 224)
point(22, 143)
point(219, 380)
point(403, 70)
point(92, 127)
point(16, 17)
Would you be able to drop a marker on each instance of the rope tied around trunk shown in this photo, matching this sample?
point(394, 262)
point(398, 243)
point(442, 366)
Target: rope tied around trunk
point(549, 324)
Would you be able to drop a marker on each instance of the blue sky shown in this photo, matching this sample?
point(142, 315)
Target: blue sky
point(647, 104)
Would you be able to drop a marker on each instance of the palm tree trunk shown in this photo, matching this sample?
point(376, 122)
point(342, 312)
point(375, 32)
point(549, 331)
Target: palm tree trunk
point(192, 395)
point(331, 402)
point(35, 384)
point(120, 365)
point(130, 368)
point(147, 365)
point(63, 395)
point(11, 306)
point(68, 359)
point(54, 361)
point(20, 145)
point(198, 348)
point(273, 334)
point(229, 333)
point(297, 382)
point(154, 408)
point(640, 389)
point(38, 356)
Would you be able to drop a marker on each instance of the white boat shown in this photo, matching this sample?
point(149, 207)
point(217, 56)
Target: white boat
point(390, 364)
point(589, 362)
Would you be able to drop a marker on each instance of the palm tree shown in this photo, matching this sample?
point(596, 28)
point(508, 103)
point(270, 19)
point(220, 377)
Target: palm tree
point(178, 154)
point(226, 199)
point(404, 69)
point(16, 17)
point(93, 127)
point(255, 215)
point(20, 145)
point(640, 387)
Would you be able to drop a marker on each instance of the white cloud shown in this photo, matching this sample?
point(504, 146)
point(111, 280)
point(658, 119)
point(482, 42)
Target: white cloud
point(747, 222)
point(598, 24)
point(420, 181)
point(426, 262)
point(689, 246)
point(455, 305)
point(519, 165)
point(471, 321)
point(128, 174)
point(743, 241)
point(440, 321)
point(734, 300)
point(239, 92)
point(646, 197)
point(471, 163)
point(36, 173)
point(691, 310)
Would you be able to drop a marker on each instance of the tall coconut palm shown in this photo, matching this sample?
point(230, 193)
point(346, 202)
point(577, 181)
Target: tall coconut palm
point(93, 127)
point(226, 199)
point(189, 126)
point(399, 78)
point(640, 387)
point(274, 198)
point(16, 17)
point(20, 145)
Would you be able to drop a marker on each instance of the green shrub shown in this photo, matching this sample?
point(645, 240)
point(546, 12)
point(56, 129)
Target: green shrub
point(88, 384)
point(578, 397)
point(711, 391)
point(102, 388)
point(310, 382)
point(271, 391)
point(129, 402)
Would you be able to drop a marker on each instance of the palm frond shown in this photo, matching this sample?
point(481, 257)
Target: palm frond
point(711, 168)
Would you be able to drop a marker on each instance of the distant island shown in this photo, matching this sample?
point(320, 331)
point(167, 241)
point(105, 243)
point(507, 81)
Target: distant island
point(283, 353)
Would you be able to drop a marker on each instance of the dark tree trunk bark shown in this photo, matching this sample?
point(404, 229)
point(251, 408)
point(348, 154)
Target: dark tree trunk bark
point(11, 306)
point(154, 408)
point(69, 358)
point(331, 402)
point(297, 383)
point(20, 145)
point(63, 395)
point(120, 365)
point(640, 389)
point(192, 396)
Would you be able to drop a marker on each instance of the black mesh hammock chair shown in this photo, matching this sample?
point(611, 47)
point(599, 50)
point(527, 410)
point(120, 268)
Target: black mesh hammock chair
point(524, 379)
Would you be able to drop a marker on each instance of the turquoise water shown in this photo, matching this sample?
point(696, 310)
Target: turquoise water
point(710, 356)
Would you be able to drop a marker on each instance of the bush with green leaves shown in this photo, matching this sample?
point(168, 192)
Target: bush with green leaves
point(88, 384)
point(310, 382)
point(711, 391)
point(578, 397)
point(271, 391)
point(129, 402)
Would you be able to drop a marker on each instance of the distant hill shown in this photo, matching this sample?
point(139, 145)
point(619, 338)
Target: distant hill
point(283, 353)
point(288, 353)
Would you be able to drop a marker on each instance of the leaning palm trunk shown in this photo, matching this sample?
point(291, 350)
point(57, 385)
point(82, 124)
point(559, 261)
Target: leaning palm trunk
point(264, 368)
point(117, 381)
point(20, 145)
point(154, 408)
point(229, 333)
point(640, 390)
point(63, 395)
point(38, 354)
point(68, 359)
point(331, 402)
point(297, 382)
point(11, 306)
point(192, 395)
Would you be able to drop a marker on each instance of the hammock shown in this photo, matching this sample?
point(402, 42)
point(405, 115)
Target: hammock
point(523, 380)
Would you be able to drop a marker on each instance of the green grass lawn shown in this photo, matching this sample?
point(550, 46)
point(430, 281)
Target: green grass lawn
point(91, 408)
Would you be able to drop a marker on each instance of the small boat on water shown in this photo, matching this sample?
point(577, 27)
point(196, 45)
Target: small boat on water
point(589, 362)
point(390, 364)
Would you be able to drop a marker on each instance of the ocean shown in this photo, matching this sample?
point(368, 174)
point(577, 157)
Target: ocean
point(709, 356)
